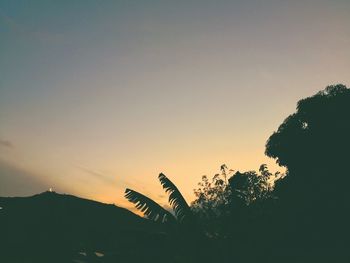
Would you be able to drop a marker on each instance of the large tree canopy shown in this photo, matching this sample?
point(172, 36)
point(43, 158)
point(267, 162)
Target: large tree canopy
point(317, 136)
point(313, 202)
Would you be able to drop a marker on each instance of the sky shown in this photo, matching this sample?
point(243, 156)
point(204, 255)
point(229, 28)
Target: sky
point(98, 96)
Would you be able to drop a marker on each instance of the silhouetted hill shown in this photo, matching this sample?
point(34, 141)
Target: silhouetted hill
point(58, 226)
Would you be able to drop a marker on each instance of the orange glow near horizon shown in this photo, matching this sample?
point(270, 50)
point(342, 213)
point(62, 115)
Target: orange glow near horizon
point(92, 106)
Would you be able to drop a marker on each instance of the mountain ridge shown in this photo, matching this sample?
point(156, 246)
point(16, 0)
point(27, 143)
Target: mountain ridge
point(50, 223)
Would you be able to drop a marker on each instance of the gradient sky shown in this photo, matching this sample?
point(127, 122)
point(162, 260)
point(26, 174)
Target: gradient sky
point(97, 96)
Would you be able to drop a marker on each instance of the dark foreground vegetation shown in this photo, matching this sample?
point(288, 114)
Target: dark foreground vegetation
point(299, 216)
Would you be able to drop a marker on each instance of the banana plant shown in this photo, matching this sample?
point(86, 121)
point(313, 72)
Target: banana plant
point(153, 211)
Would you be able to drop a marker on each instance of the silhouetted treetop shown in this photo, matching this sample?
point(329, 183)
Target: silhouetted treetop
point(232, 198)
point(317, 134)
point(312, 205)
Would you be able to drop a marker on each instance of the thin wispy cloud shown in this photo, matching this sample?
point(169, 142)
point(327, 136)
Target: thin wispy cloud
point(97, 175)
point(6, 144)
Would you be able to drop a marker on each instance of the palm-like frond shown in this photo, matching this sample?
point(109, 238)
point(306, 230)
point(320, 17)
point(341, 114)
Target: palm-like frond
point(176, 200)
point(149, 207)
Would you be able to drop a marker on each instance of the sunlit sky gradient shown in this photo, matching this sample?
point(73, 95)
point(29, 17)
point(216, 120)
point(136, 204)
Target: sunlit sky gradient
point(97, 96)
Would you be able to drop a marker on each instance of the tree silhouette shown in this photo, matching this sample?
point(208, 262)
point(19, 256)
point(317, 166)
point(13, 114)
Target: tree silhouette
point(232, 198)
point(212, 195)
point(313, 205)
point(318, 131)
point(314, 144)
point(233, 208)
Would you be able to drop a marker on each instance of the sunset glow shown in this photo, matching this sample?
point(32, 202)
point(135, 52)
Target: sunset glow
point(98, 97)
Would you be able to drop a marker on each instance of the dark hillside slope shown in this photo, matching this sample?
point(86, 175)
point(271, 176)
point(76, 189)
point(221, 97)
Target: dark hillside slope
point(56, 227)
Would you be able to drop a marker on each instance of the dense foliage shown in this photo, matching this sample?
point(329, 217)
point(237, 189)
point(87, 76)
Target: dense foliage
point(231, 193)
point(300, 216)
